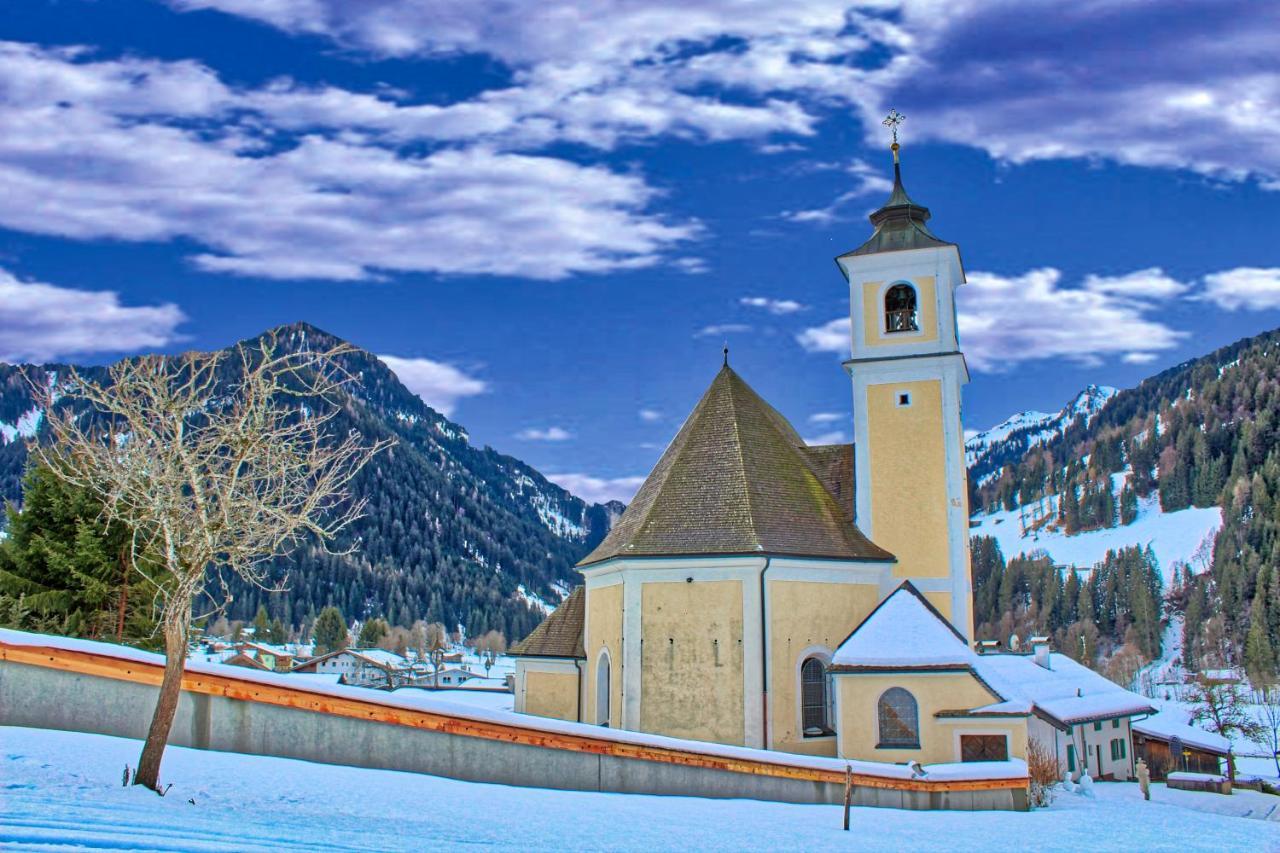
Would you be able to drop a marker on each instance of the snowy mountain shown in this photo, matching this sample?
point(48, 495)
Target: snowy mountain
point(452, 533)
point(988, 451)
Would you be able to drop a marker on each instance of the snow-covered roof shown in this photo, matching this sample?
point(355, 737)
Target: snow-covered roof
point(904, 631)
point(381, 657)
point(1067, 691)
point(1167, 725)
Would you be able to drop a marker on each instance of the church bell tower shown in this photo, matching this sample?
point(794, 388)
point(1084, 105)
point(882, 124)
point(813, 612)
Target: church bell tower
point(907, 372)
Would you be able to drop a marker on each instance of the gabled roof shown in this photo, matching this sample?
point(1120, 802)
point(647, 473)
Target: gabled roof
point(560, 634)
point(738, 479)
point(1167, 725)
point(905, 631)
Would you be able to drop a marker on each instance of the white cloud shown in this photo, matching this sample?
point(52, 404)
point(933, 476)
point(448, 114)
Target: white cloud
point(833, 336)
point(650, 415)
point(722, 329)
point(439, 385)
point(826, 417)
point(777, 307)
point(598, 489)
point(553, 433)
point(1008, 320)
point(869, 180)
point(137, 149)
point(1198, 88)
point(41, 322)
point(1252, 288)
point(836, 437)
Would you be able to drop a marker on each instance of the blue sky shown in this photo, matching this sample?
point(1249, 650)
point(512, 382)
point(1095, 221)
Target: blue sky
point(549, 221)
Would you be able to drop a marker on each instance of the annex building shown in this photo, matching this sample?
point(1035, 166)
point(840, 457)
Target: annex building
point(764, 593)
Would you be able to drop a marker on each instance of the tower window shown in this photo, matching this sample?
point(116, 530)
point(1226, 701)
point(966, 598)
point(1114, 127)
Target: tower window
point(904, 399)
point(900, 309)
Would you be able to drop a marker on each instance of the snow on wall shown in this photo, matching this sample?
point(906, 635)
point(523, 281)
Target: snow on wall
point(1011, 769)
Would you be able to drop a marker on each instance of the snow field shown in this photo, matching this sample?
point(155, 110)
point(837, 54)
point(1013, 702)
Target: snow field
point(61, 790)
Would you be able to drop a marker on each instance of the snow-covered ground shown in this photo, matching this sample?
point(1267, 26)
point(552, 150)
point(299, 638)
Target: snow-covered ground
point(1173, 536)
point(62, 790)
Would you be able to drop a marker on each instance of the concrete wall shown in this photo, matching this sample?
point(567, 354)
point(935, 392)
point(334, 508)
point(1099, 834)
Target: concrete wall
point(692, 660)
point(51, 698)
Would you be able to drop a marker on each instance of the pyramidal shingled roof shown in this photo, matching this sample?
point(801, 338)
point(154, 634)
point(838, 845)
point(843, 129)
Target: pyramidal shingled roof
point(737, 479)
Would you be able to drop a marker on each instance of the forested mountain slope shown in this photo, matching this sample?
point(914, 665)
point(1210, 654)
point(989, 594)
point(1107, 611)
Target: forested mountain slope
point(452, 533)
point(1193, 444)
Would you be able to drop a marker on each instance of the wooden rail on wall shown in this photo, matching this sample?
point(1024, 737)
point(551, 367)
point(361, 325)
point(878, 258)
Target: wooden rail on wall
point(105, 666)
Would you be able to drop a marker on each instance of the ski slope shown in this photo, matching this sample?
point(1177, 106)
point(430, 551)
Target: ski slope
point(1174, 536)
point(62, 790)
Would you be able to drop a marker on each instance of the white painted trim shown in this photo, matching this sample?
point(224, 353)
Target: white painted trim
point(632, 661)
point(555, 665)
point(753, 644)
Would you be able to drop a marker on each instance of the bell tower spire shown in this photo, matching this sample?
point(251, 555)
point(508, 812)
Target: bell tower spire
point(910, 491)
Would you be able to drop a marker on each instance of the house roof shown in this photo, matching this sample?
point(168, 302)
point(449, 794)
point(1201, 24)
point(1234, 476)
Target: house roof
point(899, 223)
point(738, 479)
point(1167, 725)
point(560, 634)
point(907, 634)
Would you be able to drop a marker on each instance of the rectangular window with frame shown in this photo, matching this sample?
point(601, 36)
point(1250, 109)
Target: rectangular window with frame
point(1097, 725)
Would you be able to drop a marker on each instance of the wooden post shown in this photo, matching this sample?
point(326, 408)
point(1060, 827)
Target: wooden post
point(848, 793)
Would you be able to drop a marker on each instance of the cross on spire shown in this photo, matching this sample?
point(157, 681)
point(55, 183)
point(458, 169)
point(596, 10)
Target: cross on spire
point(892, 121)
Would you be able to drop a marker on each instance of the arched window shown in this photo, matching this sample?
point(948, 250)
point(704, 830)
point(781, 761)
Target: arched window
point(899, 719)
point(602, 689)
point(900, 309)
point(815, 717)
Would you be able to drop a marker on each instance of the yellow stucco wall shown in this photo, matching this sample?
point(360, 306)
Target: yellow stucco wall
point(604, 630)
point(909, 513)
point(859, 697)
point(802, 615)
point(873, 333)
point(551, 694)
point(942, 601)
point(692, 666)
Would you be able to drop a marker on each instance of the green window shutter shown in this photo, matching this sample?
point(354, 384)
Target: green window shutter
point(1115, 724)
point(1097, 725)
point(1124, 749)
point(1071, 758)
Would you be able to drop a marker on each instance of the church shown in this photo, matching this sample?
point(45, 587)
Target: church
point(764, 593)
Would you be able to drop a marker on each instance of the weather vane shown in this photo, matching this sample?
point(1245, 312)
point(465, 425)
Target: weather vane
point(891, 121)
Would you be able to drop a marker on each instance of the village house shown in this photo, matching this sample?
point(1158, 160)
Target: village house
point(262, 656)
point(761, 592)
point(363, 667)
point(1169, 746)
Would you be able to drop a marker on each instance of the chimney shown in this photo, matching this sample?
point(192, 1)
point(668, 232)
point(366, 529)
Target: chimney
point(1040, 651)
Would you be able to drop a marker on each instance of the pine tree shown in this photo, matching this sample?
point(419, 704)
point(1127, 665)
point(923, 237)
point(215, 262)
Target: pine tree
point(1259, 657)
point(330, 631)
point(261, 625)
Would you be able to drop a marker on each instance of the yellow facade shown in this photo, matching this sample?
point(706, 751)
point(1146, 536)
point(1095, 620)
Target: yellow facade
point(692, 660)
point(806, 617)
point(859, 697)
point(910, 517)
point(551, 694)
point(941, 602)
point(873, 332)
point(604, 631)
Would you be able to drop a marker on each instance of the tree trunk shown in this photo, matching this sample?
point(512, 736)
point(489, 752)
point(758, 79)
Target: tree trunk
point(176, 627)
point(124, 595)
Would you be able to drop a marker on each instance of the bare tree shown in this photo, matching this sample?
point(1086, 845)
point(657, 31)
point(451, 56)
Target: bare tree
point(217, 463)
point(437, 639)
point(1221, 706)
point(1269, 714)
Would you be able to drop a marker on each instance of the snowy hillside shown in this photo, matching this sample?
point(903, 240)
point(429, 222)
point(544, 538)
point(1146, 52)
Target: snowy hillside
point(1174, 536)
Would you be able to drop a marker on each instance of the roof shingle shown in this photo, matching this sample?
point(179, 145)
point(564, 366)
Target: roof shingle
point(560, 634)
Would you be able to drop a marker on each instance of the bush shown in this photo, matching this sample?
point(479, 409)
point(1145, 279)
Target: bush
point(1042, 768)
